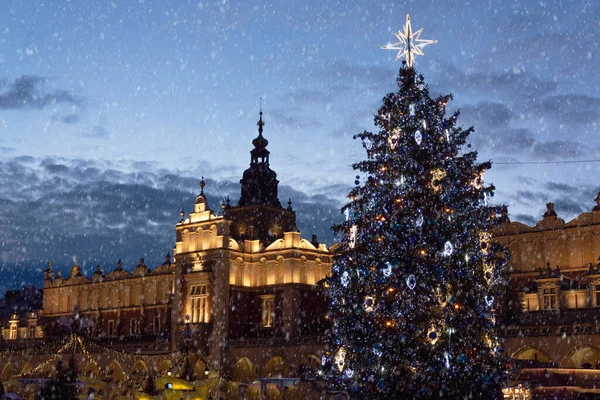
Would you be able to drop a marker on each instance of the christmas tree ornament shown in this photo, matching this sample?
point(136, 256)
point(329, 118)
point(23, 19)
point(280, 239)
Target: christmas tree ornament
point(393, 138)
point(411, 281)
point(436, 179)
point(387, 271)
point(345, 279)
point(411, 110)
point(400, 182)
point(448, 249)
point(340, 358)
point(418, 137)
point(349, 373)
point(419, 221)
point(369, 304)
point(432, 335)
point(377, 350)
point(352, 240)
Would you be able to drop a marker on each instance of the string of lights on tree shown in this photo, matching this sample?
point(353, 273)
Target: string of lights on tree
point(416, 281)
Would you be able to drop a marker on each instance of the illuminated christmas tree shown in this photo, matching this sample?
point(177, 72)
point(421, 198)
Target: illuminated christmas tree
point(416, 282)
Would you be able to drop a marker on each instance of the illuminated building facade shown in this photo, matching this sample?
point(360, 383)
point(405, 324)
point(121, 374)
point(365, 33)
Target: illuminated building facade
point(553, 308)
point(247, 280)
point(241, 292)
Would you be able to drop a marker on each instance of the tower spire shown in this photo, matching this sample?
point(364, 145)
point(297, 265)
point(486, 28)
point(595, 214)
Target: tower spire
point(260, 154)
point(260, 123)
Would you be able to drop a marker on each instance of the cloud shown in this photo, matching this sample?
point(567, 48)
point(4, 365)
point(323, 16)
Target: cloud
point(566, 205)
point(70, 119)
point(294, 122)
point(97, 131)
point(357, 74)
point(4, 149)
point(561, 187)
point(523, 143)
point(511, 84)
point(524, 219)
point(504, 141)
point(27, 91)
point(348, 131)
point(308, 96)
point(55, 208)
point(559, 150)
point(568, 109)
point(487, 114)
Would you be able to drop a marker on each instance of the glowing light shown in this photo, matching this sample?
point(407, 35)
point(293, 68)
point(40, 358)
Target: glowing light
point(340, 359)
point(436, 177)
point(418, 137)
point(477, 182)
point(393, 138)
point(349, 373)
point(448, 249)
point(411, 282)
point(432, 336)
point(352, 241)
point(369, 304)
point(345, 279)
point(408, 44)
point(484, 239)
point(377, 351)
point(419, 221)
point(387, 271)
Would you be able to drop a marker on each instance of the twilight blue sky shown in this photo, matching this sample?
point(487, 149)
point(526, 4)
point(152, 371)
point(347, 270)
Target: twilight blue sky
point(110, 111)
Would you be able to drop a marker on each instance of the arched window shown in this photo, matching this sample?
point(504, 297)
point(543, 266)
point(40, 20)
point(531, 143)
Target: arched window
point(199, 298)
point(583, 357)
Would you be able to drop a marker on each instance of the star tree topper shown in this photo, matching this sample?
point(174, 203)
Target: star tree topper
point(409, 44)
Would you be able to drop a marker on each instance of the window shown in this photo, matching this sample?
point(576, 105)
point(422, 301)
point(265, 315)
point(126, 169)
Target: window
point(13, 331)
point(268, 310)
point(156, 325)
point(132, 327)
point(549, 296)
point(199, 295)
point(111, 327)
point(31, 331)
